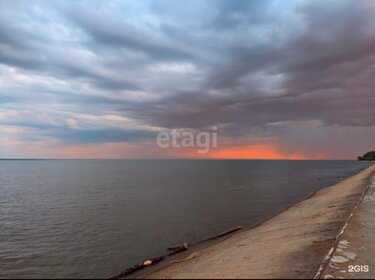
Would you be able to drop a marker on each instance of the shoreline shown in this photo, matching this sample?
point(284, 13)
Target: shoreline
point(232, 256)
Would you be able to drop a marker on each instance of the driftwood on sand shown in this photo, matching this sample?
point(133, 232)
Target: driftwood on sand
point(232, 230)
point(172, 251)
point(138, 267)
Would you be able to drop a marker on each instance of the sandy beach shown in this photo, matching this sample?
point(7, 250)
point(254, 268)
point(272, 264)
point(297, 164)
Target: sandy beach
point(292, 244)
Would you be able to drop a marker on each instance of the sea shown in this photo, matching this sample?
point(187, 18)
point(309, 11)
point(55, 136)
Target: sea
point(94, 218)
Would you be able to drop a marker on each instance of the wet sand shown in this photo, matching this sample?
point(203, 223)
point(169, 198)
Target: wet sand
point(290, 245)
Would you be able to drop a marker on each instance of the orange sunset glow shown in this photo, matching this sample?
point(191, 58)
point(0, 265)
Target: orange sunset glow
point(259, 152)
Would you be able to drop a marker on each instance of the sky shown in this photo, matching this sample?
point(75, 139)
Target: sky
point(100, 79)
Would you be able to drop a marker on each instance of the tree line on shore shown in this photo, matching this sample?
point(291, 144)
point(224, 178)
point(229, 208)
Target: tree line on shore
point(368, 156)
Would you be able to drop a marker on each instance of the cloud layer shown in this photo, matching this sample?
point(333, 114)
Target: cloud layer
point(87, 75)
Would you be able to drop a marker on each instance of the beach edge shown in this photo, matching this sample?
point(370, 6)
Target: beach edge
point(205, 262)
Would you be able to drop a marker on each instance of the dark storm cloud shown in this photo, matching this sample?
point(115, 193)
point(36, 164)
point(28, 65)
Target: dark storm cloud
point(330, 107)
point(319, 43)
point(234, 14)
point(328, 61)
point(81, 137)
point(115, 36)
point(244, 65)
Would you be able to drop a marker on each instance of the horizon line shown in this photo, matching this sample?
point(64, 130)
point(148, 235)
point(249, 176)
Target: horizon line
point(177, 158)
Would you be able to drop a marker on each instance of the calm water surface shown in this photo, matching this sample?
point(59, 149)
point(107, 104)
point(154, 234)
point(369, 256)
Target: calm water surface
point(93, 218)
